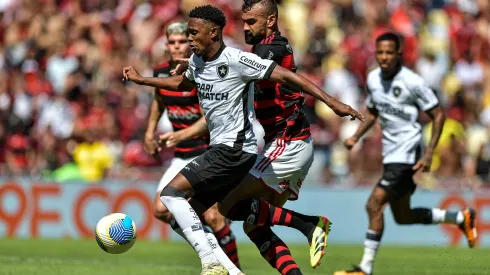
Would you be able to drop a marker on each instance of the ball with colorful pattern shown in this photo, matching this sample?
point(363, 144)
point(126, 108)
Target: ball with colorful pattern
point(115, 233)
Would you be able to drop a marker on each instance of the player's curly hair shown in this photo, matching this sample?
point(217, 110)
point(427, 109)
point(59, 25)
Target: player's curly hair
point(389, 36)
point(270, 6)
point(209, 13)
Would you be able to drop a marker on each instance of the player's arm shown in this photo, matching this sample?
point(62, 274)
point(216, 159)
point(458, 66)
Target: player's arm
point(156, 111)
point(426, 100)
point(173, 83)
point(371, 117)
point(298, 82)
point(438, 118)
point(171, 139)
point(370, 120)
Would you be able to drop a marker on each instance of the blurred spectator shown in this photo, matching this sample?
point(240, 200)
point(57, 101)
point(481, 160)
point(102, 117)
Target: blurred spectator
point(92, 157)
point(19, 153)
point(60, 81)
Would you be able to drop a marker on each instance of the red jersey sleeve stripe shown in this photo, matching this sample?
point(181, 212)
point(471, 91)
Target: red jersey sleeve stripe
point(287, 62)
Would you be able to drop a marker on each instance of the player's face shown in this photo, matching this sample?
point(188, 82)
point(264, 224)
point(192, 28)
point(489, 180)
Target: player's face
point(254, 24)
point(387, 55)
point(178, 46)
point(200, 35)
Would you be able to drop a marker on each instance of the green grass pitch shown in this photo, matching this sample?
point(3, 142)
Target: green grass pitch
point(42, 257)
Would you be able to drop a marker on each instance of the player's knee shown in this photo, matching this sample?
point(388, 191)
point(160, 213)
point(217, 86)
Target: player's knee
point(222, 210)
point(402, 219)
point(402, 216)
point(373, 207)
point(214, 219)
point(170, 191)
point(161, 212)
point(248, 227)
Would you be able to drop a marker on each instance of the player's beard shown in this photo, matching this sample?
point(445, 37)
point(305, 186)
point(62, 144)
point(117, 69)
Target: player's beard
point(252, 39)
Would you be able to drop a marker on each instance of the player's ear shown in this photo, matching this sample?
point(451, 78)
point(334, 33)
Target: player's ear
point(215, 33)
point(271, 20)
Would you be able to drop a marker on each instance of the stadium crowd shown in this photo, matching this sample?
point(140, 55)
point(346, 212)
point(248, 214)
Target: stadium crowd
point(66, 114)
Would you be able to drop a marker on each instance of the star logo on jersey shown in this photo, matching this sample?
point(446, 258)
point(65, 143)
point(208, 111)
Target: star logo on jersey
point(288, 47)
point(397, 91)
point(222, 71)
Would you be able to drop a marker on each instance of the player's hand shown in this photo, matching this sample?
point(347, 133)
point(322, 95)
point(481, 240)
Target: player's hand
point(343, 110)
point(170, 139)
point(151, 146)
point(350, 142)
point(130, 73)
point(181, 67)
point(423, 164)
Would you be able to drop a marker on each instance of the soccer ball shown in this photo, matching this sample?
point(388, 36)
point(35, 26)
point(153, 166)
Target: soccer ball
point(115, 233)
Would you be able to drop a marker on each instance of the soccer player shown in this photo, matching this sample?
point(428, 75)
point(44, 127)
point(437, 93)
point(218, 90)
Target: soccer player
point(395, 95)
point(223, 77)
point(280, 169)
point(183, 111)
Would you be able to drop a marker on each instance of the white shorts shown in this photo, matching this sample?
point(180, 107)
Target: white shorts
point(176, 165)
point(283, 165)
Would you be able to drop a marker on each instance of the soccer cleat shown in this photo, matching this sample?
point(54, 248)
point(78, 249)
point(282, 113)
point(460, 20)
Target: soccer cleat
point(214, 269)
point(468, 226)
point(355, 271)
point(319, 241)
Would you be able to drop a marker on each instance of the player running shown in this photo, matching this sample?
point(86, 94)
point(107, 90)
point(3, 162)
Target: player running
point(183, 110)
point(223, 77)
point(288, 152)
point(395, 95)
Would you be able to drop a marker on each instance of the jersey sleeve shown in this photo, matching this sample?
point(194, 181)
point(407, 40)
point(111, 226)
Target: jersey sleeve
point(424, 96)
point(370, 103)
point(189, 73)
point(252, 67)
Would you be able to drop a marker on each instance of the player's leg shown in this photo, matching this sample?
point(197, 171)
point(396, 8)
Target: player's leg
point(403, 214)
point(218, 251)
point(160, 211)
point(209, 178)
point(222, 231)
point(174, 196)
point(375, 206)
point(244, 203)
point(271, 247)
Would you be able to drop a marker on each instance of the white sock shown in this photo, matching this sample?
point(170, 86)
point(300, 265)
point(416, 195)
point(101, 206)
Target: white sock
point(178, 230)
point(191, 226)
point(371, 245)
point(218, 251)
point(220, 254)
point(447, 216)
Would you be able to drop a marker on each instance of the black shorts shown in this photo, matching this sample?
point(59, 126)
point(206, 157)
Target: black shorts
point(397, 180)
point(216, 172)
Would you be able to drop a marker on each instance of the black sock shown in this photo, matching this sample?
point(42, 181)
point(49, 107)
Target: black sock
point(264, 214)
point(422, 215)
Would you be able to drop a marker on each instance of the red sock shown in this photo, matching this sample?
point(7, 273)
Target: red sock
point(226, 240)
point(274, 250)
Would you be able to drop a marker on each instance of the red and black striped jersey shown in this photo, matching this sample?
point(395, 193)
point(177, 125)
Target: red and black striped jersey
point(183, 110)
point(278, 107)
